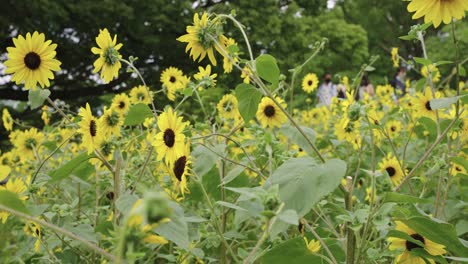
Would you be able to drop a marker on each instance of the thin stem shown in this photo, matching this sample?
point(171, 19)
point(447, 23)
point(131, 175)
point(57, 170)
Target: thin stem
point(426, 154)
point(130, 64)
point(264, 236)
point(60, 230)
point(142, 170)
point(215, 219)
point(58, 110)
point(246, 39)
point(312, 230)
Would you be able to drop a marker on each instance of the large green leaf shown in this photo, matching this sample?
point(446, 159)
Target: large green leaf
point(176, 230)
point(302, 182)
point(11, 200)
point(439, 103)
point(137, 114)
point(37, 97)
point(65, 171)
point(392, 197)
point(294, 251)
point(249, 98)
point(205, 159)
point(267, 68)
point(438, 232)
point(296, 137)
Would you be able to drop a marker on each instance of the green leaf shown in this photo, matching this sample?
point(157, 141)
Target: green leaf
point(205, 159)
point(297, 138)
point(249, 98)
point(392, 197)
point(439, 103)
point(442, 63)
point(439, 232)
point(187, 91)
point(302, 182)
point(65, 171)
point(407, 37)
point(11, 200)
point(125, 202)
point(232, 174)
point(422, 61)
point(137, 114)
point(295, 251)
point(267, 68)
point(230, 205)
point(37, 97)
point(289, 216)
point(369, 68)
point(176, 230)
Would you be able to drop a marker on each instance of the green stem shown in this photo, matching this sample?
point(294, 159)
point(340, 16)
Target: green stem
point(60, 230)
point(312, 230)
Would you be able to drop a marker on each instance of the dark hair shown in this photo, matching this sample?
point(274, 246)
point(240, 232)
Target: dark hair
point(400, 69)
point(365, 80)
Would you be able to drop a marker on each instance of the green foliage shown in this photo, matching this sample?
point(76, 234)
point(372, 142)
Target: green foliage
point(249, 97)
point(137, 114)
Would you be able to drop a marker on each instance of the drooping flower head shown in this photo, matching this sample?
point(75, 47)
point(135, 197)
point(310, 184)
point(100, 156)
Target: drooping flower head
point(139, 94)
point(110, 122)
point(32, 61)
point(90, 129)
point(179, 169)
point(7, 120)
point(228, 107)
point(200, 38)
point(109, 57)
point(205, 77)
point(407, 256)
point(438, 11)
point(28, 142)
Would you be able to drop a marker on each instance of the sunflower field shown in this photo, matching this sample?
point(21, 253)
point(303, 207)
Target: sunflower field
point(226, 156)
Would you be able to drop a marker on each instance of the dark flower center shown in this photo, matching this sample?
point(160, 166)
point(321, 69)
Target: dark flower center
point(391, 171)
point(141, 96)
point(410, 245)
point(428, 106)
point(30, 143)
point(393, 128)
point(309, 82)
point(106, 148)
point(122, 105)
point(269, 111)
point(179, 167)
point(172, 79)
point(458, 168)
point(93, 128)
point(112, 119)
point(169, 137)
point(32, 60)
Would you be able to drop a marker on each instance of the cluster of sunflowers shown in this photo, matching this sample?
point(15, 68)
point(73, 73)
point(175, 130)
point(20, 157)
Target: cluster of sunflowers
point(129, 146)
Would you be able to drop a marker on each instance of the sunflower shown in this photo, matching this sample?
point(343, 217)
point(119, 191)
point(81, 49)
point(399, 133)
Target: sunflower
point(269, 114)
point(391, 166)
point(32, 60)
point(422, 105)
point(228, 107)
point(90, 128)
point(121, 104)
point(109, 57)
point(7, 120)
point(455, 169)
point(310, 83)
point(313, 245)
point(231, 49)
point(406, 257)
point(140, 94)
point(199, 38)
point(110, 122)
point(347, 130)
point(437, 11)
point(28, 142)
point(169, 142)
point(34, 229)
point(179, 169)
point(205, 76)
point(45, 115)
point(395, 58)
point(15, 186)
point(393, 128)
point(173, 80)
point(245, 74)
point(435, 73)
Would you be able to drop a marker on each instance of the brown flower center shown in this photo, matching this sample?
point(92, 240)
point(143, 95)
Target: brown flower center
point(309, 82)
point(122, 105)
point(92, 128)
point(172, 79)
point(410, 245)
point(179, 167)
point(391, 171)
point(269, 111)
point(32, 60)
point(169, 137)
point(428, 106)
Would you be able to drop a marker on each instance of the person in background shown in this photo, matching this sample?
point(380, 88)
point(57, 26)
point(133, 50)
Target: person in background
point(398, 82)
point(327, 90)
point(365, 88)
